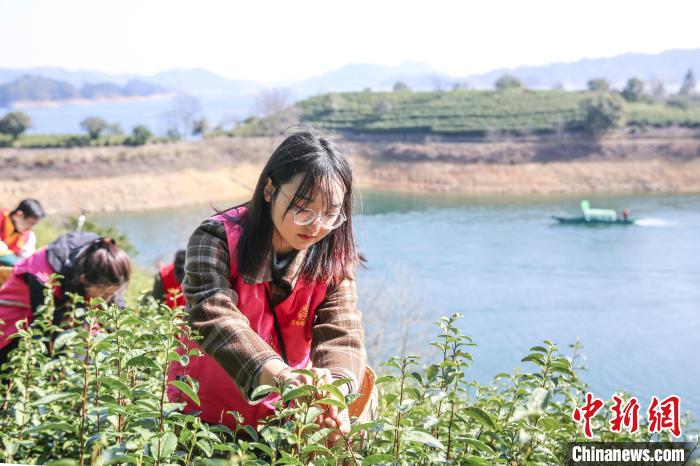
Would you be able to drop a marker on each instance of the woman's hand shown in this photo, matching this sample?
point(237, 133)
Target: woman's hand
point(331, 417)
point(340, 423)
point(287, 376)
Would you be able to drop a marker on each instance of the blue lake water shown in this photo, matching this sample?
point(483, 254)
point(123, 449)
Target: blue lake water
point(630, 293)
point(66, 119)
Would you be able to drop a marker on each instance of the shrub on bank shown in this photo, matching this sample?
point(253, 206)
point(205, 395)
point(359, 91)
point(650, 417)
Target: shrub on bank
point(46, 141)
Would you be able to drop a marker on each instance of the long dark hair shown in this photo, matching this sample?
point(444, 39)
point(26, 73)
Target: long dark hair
point(31, 208)
point(102, 262)
point(322, 164)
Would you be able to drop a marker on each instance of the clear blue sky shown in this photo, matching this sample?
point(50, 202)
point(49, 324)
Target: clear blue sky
point(272, 41)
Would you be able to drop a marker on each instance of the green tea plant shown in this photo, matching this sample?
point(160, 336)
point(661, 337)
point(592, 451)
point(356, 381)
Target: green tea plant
point(90, 388)
point(466, 113)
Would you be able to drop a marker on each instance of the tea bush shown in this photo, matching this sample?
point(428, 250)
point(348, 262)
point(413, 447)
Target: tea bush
point(93, 390)
point(466, 113)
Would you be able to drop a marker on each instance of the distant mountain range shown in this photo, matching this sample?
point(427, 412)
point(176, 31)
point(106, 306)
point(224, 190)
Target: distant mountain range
point(32, 88)
point(193, 81)
point(358, 76)
point(667, 67)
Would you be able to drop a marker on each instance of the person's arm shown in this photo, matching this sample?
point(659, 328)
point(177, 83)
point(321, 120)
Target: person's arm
point(7, 257)
point(339, 342)
point(227, 336)
point(8, 260)
point(29, 247)
point(158, 291)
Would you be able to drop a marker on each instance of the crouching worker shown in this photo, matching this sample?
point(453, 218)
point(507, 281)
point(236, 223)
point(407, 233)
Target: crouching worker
point(17, 240)
point(270, 288)
point(168, 282)
point(91, 266)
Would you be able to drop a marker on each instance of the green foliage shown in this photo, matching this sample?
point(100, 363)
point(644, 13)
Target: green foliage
point(94, 126)
point(401, 86)
point(634, 91)
point(688, 84)
point(463, 112)
point(678, 111)
point(14, 124)
point(140, 282)
point(460, 111)
point(97, 393)
point(201, 127)
point(47, 230)
point(508, 81)
point(383, 107)
point(140, 135)
point(270, 125)
point(251, 126)
point(602, 112)
point(120, 238)
point(467, 112)
point(112, 135)
point(50, 228)
point(45, 141)
point(598, 85)
point(173, 135)
point(115, 129)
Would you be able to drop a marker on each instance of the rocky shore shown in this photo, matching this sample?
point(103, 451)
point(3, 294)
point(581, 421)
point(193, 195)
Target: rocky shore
point(222, 169)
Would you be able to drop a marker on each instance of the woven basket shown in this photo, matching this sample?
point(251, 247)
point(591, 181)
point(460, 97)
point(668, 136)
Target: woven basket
point(364, 403)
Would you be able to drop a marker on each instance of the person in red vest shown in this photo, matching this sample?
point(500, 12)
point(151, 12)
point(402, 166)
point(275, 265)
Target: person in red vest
point(270, 286)
point(91, 266)
point(168, 282)
point(17, 240)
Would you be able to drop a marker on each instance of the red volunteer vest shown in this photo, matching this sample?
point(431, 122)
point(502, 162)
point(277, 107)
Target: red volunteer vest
point(217, 391)
point(173, 289)
point(9, 235)
point(14, 295)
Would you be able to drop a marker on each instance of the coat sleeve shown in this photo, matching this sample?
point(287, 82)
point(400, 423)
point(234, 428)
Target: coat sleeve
point(338, 336)
point(227, 335)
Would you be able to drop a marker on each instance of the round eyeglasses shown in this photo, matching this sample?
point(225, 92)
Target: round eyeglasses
point(304, 216)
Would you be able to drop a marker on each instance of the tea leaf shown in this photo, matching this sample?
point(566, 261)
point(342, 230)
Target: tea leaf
point(186, 389)
point(424, 438)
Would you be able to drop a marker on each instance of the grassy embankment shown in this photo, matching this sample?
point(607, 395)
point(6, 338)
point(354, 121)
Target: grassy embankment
point(49, 141)
point(474, 112)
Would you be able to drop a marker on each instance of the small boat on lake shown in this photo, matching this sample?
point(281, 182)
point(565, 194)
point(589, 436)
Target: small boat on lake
point(597, 217)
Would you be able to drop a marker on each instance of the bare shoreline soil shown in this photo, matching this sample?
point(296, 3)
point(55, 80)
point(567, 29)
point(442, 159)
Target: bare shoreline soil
point(186, 173)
